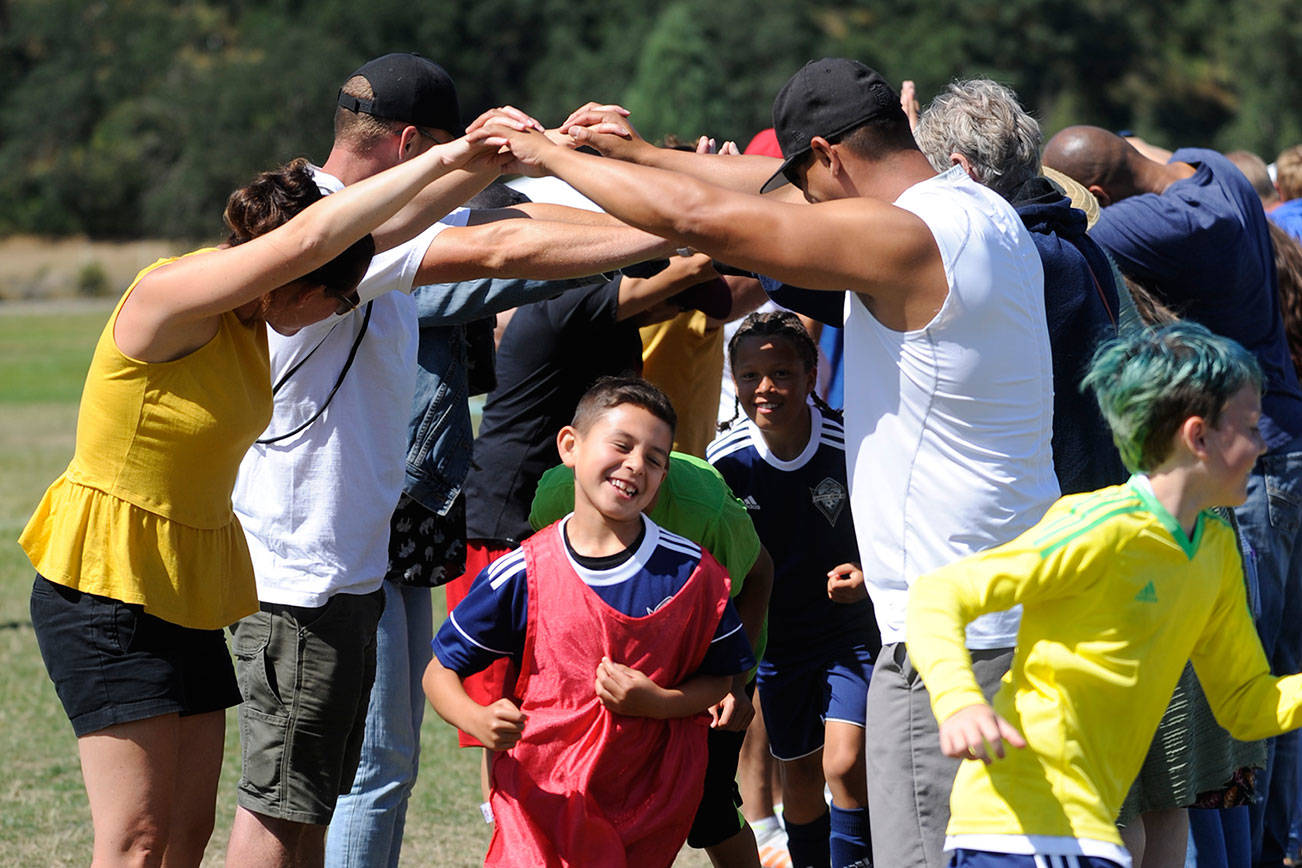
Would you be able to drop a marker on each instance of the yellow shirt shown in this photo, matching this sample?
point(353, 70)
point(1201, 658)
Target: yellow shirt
point(1115, 599)
point(684, 357)
point(143, 512)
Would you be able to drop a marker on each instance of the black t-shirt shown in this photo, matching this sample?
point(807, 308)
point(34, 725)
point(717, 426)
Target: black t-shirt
point(551, 352)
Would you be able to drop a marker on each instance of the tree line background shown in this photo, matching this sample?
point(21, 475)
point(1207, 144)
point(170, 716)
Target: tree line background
point(135, 118)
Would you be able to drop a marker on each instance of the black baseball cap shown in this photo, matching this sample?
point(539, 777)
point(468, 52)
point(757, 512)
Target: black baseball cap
point(411, 89)
point(826, 98)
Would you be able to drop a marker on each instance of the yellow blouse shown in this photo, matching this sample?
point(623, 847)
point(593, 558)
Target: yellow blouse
point(143, 512)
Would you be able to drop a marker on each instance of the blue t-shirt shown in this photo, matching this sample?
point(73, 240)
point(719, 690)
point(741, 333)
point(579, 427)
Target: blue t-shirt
point(490, 622)
point(1288, 217)
point(801, 510)
point(1203, 247)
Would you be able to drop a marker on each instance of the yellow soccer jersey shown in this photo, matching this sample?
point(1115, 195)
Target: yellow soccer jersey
point(1115, 598)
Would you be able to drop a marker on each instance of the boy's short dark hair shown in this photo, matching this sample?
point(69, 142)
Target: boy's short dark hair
point(610, 392)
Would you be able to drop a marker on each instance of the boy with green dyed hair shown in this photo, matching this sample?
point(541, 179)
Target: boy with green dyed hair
point(1119, 587)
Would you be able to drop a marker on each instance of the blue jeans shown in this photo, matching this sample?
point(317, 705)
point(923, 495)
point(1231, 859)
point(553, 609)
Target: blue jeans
point(368, 821)
point(1219, 838)
point(1270, 520)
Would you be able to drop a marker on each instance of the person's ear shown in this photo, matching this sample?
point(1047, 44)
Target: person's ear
point(407, 143)
point(957, 159)
point(567, 441)
point(1102, 195)
point(1193, 435)
point(824, 153)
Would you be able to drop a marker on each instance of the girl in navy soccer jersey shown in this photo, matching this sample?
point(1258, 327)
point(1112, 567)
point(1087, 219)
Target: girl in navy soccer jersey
point(786, 462)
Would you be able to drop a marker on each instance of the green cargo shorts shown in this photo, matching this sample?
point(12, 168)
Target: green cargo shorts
point(305, 675)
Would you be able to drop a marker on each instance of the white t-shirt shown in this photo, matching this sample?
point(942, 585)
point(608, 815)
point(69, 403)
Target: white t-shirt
point(947, 427)
point(316, 506)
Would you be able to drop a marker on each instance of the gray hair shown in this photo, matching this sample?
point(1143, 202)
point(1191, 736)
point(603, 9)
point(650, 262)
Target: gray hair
point(982, 120)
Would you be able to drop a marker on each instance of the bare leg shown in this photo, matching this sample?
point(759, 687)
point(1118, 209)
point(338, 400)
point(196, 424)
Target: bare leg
point(758, 771)
point(1166, 835)
point(843, 765)
point(802, 789)
point(143, 794)
point(202, 740)
point(1134, 838)
point(259, 841)
point(739, 851)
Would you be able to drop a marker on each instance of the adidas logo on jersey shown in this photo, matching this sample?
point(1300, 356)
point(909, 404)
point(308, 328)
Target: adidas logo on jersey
point(1147, 595)
point(750, 502)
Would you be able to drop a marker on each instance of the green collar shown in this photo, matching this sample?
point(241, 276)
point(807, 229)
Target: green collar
point(1140, 485)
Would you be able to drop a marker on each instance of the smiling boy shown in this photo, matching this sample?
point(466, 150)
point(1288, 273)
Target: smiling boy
point(624, 636)
point(1119, 587)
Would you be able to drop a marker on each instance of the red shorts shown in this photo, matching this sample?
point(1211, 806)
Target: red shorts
point(490, 685)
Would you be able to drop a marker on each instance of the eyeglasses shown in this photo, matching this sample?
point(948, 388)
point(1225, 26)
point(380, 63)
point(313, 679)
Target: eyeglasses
point(347, 302)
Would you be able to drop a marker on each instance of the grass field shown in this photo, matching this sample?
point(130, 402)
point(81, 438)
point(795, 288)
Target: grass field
point(44, 818)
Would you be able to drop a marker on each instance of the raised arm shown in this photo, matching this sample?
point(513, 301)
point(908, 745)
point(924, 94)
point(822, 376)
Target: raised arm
point(198, 288)
point(861, 244)
point(538, 249)
point(607, 129)
point(445, 193)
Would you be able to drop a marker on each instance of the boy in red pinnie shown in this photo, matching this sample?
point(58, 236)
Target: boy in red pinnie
point(624, 636)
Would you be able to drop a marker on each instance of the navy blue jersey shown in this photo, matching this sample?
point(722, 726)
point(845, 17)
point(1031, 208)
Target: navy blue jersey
point(490, 622)
point(801, 510)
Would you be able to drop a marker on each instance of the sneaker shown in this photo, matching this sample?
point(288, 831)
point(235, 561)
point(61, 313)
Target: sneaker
point(773, 851)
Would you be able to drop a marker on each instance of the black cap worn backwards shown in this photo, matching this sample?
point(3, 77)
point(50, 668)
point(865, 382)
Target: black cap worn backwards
point(411, 89)
point(826, 98)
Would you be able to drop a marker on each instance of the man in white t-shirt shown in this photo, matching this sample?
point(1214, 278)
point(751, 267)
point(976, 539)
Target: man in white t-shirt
point(316, 492)
point(948, 376)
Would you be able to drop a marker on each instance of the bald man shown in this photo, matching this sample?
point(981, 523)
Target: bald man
point(1192, 230)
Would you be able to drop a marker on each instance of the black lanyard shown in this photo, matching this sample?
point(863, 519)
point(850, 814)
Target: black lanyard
point(348, 363)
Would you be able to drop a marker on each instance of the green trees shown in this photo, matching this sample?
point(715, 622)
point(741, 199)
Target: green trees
point(137, 117)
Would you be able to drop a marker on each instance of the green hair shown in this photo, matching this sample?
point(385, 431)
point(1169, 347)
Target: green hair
point(1147, 384)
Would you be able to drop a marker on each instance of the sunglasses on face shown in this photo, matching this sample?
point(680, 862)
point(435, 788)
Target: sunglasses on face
point(347, 302)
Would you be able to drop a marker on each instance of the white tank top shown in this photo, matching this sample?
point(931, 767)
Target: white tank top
point(947, 427)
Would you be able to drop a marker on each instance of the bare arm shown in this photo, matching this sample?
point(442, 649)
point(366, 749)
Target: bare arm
point(497, 726)
point(625, 690)
point(446, 193)
point(536, 249)
point(594, 125)
point(638, 294)
point(752, 601)
point(430, 205)
point(174, 309)
point(861, 244)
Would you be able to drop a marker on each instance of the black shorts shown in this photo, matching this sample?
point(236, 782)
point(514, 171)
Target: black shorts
point(111, 662)
point(718, 817)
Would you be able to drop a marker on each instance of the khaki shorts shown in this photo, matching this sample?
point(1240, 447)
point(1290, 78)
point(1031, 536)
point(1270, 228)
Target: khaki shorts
point(305, 675)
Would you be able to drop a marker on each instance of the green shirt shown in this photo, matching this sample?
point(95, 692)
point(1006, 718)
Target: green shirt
point(693, 501)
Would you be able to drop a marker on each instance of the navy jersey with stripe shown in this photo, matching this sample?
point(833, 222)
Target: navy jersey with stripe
point(801, 510)
point(490, 622)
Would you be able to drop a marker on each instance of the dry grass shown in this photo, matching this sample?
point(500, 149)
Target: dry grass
point(39, 268)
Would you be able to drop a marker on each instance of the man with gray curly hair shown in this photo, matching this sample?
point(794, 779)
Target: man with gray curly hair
point(980, 125)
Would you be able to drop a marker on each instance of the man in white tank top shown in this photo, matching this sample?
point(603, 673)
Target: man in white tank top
point(948, 374)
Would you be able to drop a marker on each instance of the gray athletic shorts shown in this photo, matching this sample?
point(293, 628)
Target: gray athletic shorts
point(909, 779)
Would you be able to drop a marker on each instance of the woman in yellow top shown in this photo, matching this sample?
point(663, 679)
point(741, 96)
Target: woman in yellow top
point(140, 560)
point(1118, 587)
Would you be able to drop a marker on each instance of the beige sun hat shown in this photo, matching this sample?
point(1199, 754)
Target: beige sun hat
point(1075, 191)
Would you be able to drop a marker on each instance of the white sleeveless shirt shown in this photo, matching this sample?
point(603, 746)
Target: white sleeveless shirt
point(947, 427)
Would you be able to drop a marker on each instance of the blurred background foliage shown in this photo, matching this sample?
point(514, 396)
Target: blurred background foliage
point(135, 118)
